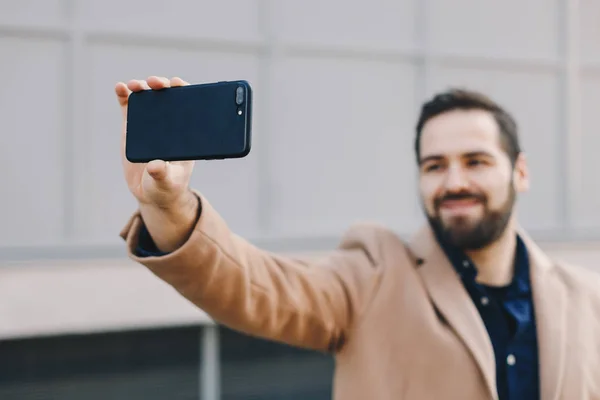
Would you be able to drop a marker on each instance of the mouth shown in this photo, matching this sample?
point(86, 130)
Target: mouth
point(459, 206)
point(459, 203)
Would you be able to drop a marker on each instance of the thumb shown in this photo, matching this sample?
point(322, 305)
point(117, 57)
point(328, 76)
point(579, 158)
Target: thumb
point(164, 181)
point(159, 171)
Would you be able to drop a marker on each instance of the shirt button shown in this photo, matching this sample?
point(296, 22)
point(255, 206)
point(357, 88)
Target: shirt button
point(485, 301)
point(466, 264)
point(511, 360)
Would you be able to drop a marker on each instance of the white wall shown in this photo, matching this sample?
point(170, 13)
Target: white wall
point(338, 85)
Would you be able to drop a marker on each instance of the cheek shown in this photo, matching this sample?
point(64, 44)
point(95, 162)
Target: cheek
point(496, 190)
point(428, 189)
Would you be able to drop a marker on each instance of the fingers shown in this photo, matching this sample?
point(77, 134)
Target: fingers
point(176, 81)
point(153, 82)
point(122, 92)
point(136, 85)
point(158, 82)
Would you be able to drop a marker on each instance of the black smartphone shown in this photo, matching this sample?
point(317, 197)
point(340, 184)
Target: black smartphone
point(195, 122)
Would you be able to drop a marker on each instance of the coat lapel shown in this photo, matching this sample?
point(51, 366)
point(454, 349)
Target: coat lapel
point(453, 302)
point(549, 300)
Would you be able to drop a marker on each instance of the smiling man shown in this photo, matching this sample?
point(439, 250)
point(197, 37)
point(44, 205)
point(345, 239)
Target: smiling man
point(469, 308)
point(471, 168)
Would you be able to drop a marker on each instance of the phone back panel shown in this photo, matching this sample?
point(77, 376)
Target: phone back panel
point(195, 122)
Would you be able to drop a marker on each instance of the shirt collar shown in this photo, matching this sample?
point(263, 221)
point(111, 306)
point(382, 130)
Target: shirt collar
point(467, 270)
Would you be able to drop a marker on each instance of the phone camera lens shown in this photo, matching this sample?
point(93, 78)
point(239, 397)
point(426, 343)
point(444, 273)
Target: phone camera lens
point(239, 95)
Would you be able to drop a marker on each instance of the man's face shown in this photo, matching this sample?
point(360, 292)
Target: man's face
point(468, 185)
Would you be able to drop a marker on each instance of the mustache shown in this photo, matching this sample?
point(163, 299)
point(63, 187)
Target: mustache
point(459, 196)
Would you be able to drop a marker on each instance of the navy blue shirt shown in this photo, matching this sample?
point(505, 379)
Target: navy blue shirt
point(146, 246)
point(509, 318)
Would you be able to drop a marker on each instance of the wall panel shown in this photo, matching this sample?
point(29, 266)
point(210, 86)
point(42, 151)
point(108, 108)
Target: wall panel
point(223, 19)
point(38, 12)
point(341, 148)
point(587, 211)
point(589, 33)
point(510, 28)
point(32, 124)
point(347, 23)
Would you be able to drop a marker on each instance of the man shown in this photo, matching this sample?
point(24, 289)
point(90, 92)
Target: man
point(470, 308)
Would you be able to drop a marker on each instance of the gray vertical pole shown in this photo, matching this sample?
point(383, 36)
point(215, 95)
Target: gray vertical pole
point(210, 380)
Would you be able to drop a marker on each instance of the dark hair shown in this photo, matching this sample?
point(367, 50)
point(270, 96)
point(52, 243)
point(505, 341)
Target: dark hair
point(463, 99)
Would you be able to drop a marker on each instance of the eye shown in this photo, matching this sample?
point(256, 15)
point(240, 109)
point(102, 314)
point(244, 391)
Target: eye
point(432, 167)
point(475, 162)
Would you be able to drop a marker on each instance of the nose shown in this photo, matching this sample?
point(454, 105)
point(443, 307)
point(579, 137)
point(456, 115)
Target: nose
point(456, 180)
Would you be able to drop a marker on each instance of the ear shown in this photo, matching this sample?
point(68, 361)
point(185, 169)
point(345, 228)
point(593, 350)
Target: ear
point(521, 174)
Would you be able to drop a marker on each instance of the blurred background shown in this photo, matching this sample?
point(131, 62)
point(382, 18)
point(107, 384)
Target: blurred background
point(337, 84)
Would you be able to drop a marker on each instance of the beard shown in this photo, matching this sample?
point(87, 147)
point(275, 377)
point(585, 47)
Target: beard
point(466, 234)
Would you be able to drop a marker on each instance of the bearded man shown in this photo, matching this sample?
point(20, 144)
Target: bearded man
point(469, 308)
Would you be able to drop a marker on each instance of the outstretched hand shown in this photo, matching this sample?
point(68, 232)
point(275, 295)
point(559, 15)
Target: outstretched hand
point(157, 183)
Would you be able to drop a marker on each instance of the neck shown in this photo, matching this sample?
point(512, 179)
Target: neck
point(495, 263)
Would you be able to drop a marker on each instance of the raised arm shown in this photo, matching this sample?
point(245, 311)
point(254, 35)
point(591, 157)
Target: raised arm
point(309, 303)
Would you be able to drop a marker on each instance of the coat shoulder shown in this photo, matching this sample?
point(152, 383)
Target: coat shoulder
point(381, 242)
point(582, 280)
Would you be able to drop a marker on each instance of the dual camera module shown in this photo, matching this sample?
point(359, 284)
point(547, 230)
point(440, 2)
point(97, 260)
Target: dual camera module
point(239, 99)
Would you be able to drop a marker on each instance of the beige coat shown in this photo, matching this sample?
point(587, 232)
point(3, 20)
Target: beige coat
point(395, 314)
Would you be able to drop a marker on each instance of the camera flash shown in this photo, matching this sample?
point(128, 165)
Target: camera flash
point(239, 112)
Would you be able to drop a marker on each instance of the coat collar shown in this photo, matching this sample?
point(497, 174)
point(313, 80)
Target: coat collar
point(550, 304)
point(453, 302)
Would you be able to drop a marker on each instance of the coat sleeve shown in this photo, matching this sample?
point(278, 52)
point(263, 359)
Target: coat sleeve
point(308, 302)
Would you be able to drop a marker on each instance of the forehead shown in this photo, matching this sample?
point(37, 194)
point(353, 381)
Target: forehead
point(460, 131)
